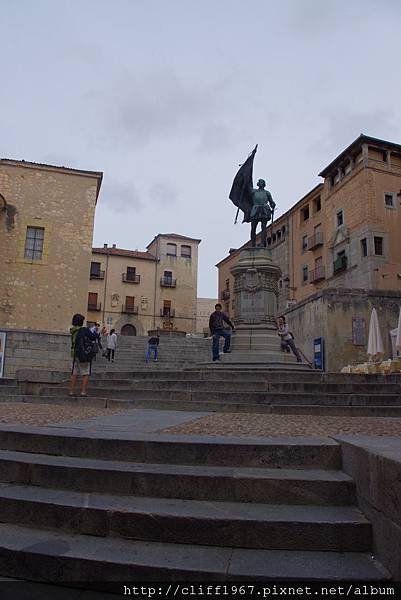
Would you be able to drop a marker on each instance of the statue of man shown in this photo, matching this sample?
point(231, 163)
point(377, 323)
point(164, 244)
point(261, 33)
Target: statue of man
point(261, 211)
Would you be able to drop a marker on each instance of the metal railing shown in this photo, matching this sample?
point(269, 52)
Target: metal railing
point(94, 306)
point(315, 240)
point(317, 274)
point(167, 312)
point(131, 278)
point(97, 274)
point(168, 282)
point(132, 310)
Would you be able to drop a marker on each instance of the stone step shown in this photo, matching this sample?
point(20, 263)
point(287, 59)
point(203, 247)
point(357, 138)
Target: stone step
point(193, 482)
point(254, 385)
point(274, 527)
point(220, 407)
point(253, 397)
point(300, 452)
point(53, 556)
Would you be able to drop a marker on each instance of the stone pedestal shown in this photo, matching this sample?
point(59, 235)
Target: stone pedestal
point(256, 303)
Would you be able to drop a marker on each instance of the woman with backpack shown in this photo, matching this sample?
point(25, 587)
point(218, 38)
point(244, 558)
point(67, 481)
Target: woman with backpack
point(111, 345)
point(82, 341)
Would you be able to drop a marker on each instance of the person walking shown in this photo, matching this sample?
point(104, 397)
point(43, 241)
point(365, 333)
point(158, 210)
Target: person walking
point(287, 339)
point(98, 346)
point(216, 326)
point(111, 344)
point(82, 340)
point(153, 343)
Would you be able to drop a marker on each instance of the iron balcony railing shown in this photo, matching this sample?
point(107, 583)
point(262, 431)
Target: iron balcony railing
point(97, 275)
point(168, 282)
point(315, 240)
point(94, 306)
point(317, 274)
point(167, 312)
point(129, 309)
point(131, 278)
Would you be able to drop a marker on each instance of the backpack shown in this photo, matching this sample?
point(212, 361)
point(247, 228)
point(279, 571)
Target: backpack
point(84, 346)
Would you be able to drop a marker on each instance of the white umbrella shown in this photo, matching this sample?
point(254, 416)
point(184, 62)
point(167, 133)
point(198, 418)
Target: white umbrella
point(375, 343)
point(398, 337)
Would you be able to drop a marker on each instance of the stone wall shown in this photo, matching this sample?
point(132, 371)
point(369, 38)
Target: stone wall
point(36, 350)
point(375, 466)
point(330, 314)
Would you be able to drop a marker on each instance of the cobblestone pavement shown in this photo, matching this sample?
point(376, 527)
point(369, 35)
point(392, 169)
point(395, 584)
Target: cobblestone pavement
point(45, 414)
point(287, 425)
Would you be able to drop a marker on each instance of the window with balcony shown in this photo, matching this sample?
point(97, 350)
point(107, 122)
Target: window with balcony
point(341, 262)
point(167, 279)
point(317, 239)
point(129, 306)
point(167, 311)
point(378, 243)
point(364, 247)
point(96, 272)
point(186, 251)
point(171, 249)
point(34, 243)
point(318, 272)
point(130, 276)
point(93, 304)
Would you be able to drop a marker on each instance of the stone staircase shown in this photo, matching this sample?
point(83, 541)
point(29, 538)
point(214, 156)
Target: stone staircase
point(224, 389)
point(86, 506)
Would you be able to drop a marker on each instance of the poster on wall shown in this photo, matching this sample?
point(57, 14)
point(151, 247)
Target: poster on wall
point(2, 351)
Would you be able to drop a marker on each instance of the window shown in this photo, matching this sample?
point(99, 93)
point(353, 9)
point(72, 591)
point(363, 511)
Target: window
point(186, 251)
point(304, 242)
point(389, 200)
point(378, 246)
point(171, 249)
point(227, 284)
point(34, 243)
point(340, 218)
point(166, 308)
point(364, 247)
point(92, 301)
point(129, 302)
point(168, 276)
point(131, 273)
point(304, 273)
point(305, 213)
point(317, 204)
point(95, 269)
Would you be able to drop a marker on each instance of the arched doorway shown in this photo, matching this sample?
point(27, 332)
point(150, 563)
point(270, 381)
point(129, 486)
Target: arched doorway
point(128, 329)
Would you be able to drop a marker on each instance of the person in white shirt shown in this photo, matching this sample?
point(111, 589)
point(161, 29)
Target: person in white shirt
point(111, 345)
point(287, 339)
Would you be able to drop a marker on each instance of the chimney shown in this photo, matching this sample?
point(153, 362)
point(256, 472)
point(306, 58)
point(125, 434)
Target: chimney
point(104, 245)
point(114, 246)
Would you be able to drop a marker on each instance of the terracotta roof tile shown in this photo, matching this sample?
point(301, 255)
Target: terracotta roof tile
point(122, 252)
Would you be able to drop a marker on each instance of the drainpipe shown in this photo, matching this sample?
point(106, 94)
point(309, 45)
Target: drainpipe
point(105, 289)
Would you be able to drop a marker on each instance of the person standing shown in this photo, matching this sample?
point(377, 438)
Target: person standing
point(287, 339)
point(111, 345)
point(216, 326)
point(153, 343)
point(82, 340)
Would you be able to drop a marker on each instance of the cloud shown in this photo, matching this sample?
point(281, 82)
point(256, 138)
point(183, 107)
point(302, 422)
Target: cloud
point(120, 196)
point(164, 194)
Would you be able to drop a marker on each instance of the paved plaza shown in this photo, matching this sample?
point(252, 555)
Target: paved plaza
point(195, 423)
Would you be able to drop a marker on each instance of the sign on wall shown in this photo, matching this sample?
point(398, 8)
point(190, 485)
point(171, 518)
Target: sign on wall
point(2, 351)
point(358, 331)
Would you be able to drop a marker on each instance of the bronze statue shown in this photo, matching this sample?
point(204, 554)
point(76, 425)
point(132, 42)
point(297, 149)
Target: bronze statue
point(256, 204)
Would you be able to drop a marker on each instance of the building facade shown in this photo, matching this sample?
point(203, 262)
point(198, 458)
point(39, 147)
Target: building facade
point(205, 307)
point(46, 229)
point(342, 235)
point(134, 292)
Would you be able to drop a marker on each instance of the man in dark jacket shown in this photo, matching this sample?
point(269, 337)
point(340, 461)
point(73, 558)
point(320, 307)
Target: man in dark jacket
point(216, 326)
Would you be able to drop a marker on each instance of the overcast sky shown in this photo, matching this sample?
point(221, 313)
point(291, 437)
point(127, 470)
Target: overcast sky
point(167, 97)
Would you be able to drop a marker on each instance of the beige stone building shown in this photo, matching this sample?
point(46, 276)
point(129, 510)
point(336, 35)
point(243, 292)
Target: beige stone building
point(134, 292)
point(205, 307)
point(344, 236)
point(46, 228)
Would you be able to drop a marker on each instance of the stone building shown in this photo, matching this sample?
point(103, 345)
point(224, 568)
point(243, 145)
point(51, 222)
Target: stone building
point(135, 292)
point(46, 228)
point(205, 307)
point(340, 242)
